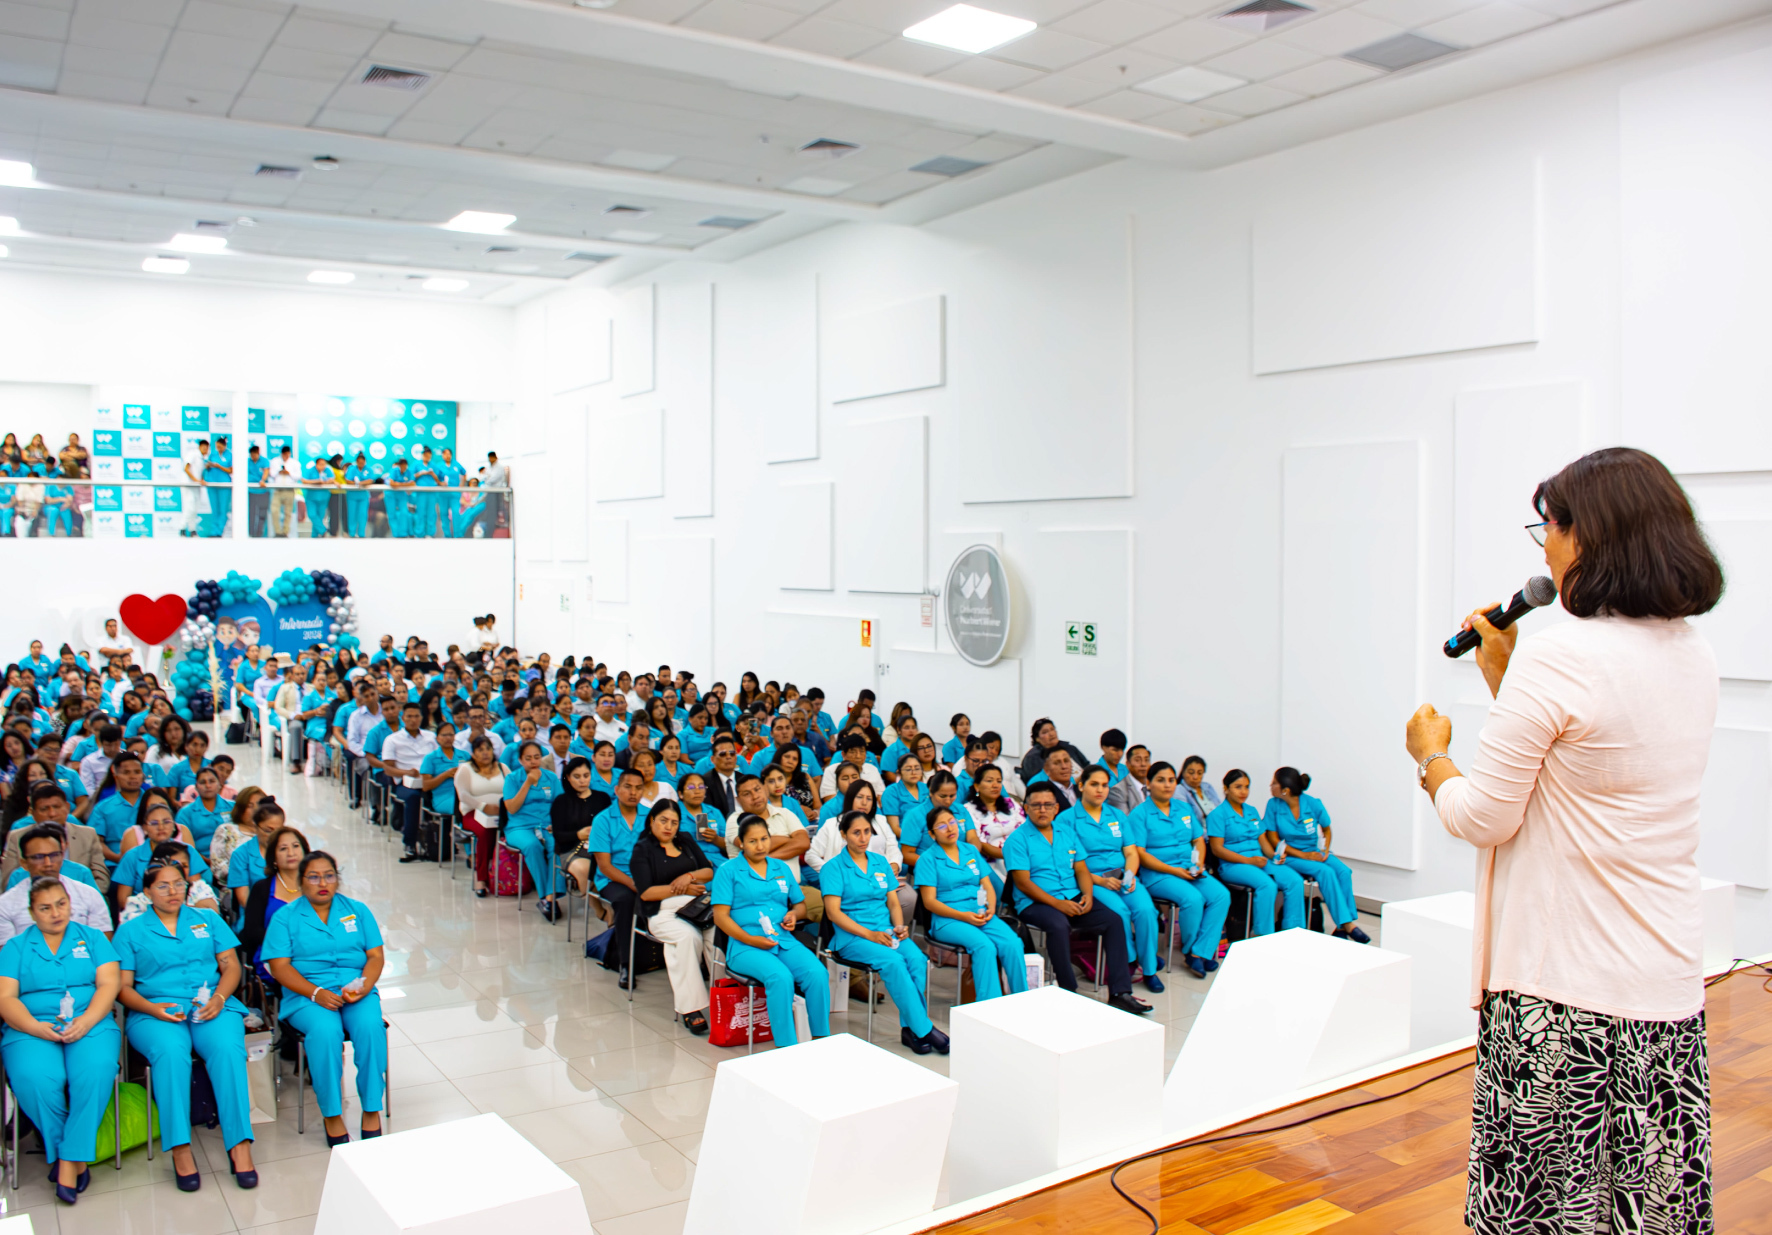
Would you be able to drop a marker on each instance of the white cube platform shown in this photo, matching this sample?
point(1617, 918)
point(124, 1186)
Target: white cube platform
point(1719, 924)
point(1287, 1010)
point(460, 1178)
point(1436, 931)
point(830, 1137)
point(1047, 1078)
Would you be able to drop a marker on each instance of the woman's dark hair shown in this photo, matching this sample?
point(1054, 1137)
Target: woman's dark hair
point(664, 806)
point(1091, 770)
point(854, 791)
point(574, 764)
point(939, 780)
point(156, 866)
point(277, 839)
point(313, 856)
point(747, 822)
point(1191, 760)
point(1234, 775)
point(43, 883)
point(170, 849)
point(525, 745)
point(1162, 765)
point(849, 818)
point(1292, 781)
point(179, 750)
point(267, 808)
point(1642, 552)
point(934, 817)
point(1034, 729)
point(974, 798)
point(150, 800)
point(956, 718)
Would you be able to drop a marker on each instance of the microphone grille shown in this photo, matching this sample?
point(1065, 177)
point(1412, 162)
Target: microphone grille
point(1539, 590)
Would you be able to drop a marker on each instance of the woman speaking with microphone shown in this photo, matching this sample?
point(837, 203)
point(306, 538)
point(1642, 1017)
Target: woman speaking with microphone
point(1591, 1098)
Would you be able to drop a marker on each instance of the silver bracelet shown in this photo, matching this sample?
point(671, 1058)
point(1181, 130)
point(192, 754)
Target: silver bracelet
point(1421, 771)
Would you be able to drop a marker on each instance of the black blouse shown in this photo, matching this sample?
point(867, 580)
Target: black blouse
point(570, 812)
point(651, 866)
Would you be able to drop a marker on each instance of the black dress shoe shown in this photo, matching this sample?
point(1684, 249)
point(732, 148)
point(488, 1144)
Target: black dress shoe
point(333, 1142)
point(186, 1183)
point(1129, 1003)
point(937, 1039)
point(412, 855)
point(920, 1046)
point(246, 1180)
point(482, 893)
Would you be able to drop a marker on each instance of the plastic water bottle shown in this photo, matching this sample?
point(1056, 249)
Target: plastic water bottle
point(67, 1008)
point(1127, 883)
point(984, 901)
point(1280, 852)
point(203, 994)
point(766, 924)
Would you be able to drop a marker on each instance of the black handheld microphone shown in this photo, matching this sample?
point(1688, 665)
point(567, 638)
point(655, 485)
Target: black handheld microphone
point(1539, 590)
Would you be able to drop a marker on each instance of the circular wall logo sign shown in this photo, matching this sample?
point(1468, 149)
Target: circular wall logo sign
point(976, 603)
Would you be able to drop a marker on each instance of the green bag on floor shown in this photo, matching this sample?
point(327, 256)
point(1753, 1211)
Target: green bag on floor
point(134, 1101)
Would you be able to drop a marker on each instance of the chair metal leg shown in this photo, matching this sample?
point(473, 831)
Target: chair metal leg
point(1100, 951)
point(301, 1088)
point(750, 1033)
point(148, 1085)
point(117, 1106)
point(871, 976)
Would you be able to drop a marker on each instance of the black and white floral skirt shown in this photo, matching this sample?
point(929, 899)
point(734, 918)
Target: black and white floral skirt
point(1587, 1124)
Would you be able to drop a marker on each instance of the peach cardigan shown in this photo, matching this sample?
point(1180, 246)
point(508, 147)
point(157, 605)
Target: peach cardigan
point(1582, 801)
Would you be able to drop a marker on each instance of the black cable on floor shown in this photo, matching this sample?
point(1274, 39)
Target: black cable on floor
point(1736, 966)
point(1114, 1175)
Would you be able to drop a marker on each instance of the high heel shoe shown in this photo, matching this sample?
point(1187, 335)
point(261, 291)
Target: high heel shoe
point(367, 1134)
point(66, 1195)
point(188, 1183)
point(242, 1179)
point(333, 1142)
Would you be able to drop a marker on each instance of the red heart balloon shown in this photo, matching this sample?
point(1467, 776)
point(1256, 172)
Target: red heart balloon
point(152, 621)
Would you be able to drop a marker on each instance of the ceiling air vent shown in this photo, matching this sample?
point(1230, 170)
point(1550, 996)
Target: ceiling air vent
point(947, 165)
point(628, 212)
point(1259, 15)
point(276, 172)
point(829, 147)
point(587, 257)
point(394, 79)
point(210, 227)
point(1400, 52)
point(504, 248)
point(730, 222)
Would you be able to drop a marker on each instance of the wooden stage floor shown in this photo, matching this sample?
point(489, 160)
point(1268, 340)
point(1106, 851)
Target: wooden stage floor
point(1397, 1167)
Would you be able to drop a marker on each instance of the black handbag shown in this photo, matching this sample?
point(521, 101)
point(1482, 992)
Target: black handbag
point(699, 912)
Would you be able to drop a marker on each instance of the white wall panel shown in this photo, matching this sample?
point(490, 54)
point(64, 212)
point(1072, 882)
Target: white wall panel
point(766, 359)
point(883, 506)
point(1080, 575)
point(1350, 636)
point(609, 561)
point(534, 500)
point(801, 560)
point(1740, 628)
point(566, 457)
point(578, 343)
point(938, 684)
point(1697, 193)
point(1506, 440)
point(636, 370)
point(629, 453)
point(887, 350)
point(686, 349)
point(1412, 261)
point(1735, 808)
point(605, 639)
point(673, 602)
point(815, 649)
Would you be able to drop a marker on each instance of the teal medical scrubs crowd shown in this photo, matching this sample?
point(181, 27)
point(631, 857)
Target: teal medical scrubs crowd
point(863, 896)
point(530, 828)
point(758, 904)
point(1104, 837)
point(1305, 833)
point(959, 884)
point(1240, 829)
point(1201, 902)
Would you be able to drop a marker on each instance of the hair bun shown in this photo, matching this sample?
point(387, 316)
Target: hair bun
point(1304, 781)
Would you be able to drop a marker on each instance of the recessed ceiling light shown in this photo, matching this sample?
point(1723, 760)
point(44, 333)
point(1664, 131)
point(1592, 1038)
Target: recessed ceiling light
point(446, 285)
point(818, 186)
point(17, 175)
point(1191, 84)
point(517, 268)
point(1260, 15)
point(1400, 51)
point(728, 221)
point(325, 163)
point(166, 265)
point(190, 242)
point(8, 225)
point(4, 251)
point(483, 221)
point(594, 4)
point(948, 165)
point(969, 29)
point(338, 277)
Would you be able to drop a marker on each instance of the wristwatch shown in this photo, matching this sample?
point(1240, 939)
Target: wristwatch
point(1421, 770)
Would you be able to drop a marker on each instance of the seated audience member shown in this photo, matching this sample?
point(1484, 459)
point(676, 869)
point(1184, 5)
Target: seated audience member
point(84, 858)
point(789, 837)
point(115, 812)
point(198, 895)
point(652, 790)
point(942, 790)
point(962, 904)
point(828, 842)
point(1194, 789)
point(611, 845)
point(1128, 791)
point(953, 751)
point(479, 784)
point(852, 748)
point(157, 822)
point(1055, 894)
point(179, 978)
point(137, 833)
point(207, 813)
point(904, 794)
point(58, 981)
point(1246, 858)
point(991, 815)
point(670, 872)
point(529, 794)
point(1059, 772)
point(237, 831)
point(757, 905)
point(250, 861)
point(402, 755)
point(43, 848)
point(1044, 740)
point(1299, 822)
point(1112, 858)
point(701, 818)
point(572, 815)
point(1171, 841)
point(279, 886)
point(868, 928)
point(325, 951)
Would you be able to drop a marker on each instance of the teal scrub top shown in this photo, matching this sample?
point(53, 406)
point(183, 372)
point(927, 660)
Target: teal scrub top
point(214, 471)
point(890, 757)
point(899, 799)
point(44, 976)
point(443, 796)
point(255, 472)
point(72, 869)
point(752, 897)
point(1304, 832)
point(1050, 864)
point(952, 751)
point(1169, 838)
point(863, 893)
point(611, 834)
point(707, 817)
point(203, 822)
point(956, 884)
point(182, 775)
point(246, 866)
point(1240, 831)
point(913, 825)
point(330, 954)
point(129, 870)
point(170, 968)
point(1104, 840)
point(113, 815)
point(831, 809)
point(536, 813)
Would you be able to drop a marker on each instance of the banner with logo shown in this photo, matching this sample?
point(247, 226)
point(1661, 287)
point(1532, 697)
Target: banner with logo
point(382, 429)
point(142, 442)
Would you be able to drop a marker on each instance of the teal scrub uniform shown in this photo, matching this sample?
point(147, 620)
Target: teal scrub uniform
point(952, 751)
point(317, 498)
point(63, 1088)
point(863, 896)
point(1104, 841)
point(424, 503)
point(758, 903)
point(1241, 833)
point(398, 502)
point(530, 831)
point(246, 866)
point(448, 505)
point(219, 499)
point(357, 503)
point(183, 776)
point(332, 954)
point(203, 821)
point(443, 796)
point(696, 745)
point(129, 869)
point(1305, 833)
point(173, 969)
point(57, 513)
point(1050, 864)
point(611, 834)
point(710, 818)
point(899, 799)
point(959, 885)
point(112, 816)
point(1202, 902)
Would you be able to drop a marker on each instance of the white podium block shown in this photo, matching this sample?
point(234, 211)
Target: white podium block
point(829, 1137)
point(18, 1224)
point(1286, 1011)
point(1047, 1078)
point(1436, 932)
point(1719, 924)
point(457, 1178)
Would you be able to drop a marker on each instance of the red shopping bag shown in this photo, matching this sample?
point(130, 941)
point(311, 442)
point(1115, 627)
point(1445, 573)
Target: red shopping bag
point(510, 877)
point(730, 1017)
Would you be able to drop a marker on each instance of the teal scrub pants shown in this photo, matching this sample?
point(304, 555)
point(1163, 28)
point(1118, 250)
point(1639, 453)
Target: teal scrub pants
point(448, 511)
point(221, 1042)
point(904, 970)
point(1267, 883)
point(399, 511)
point(1336, 881)
point(357, 515)
point(464, 522)
point(317, 502)
point(537, 848)
point(53, 515)
point(995, 943)
point(218, 511)
point(64, 1089)
point(789, 964)
point(1200, 908)
point(424, 515)
point(1139, 916)
point(325, 1032)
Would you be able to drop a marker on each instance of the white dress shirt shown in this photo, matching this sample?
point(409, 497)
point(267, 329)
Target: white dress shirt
point(87, 904)
point(464, 742)
point(611, 730)
point(408, 750)
point(782, 822)
point(828, 786)
point(828, 842)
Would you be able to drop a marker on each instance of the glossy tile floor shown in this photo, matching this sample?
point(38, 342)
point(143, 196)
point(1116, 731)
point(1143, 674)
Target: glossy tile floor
point(491, 1010)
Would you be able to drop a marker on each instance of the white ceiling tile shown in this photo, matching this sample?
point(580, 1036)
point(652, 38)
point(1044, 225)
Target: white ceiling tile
point(335, 34)
point(829, 38)
point(909, 57)
point(1568, 8)
point(373, 100)
point(1045, 12)
point(305, 62)
point(1192, 41)
point(1048, 49)
point(884, 189)
point(286, 89)
point(32, 64)
point(1255, 99)
point(1189, 119)
point(152, 12)
point(739, 18)
point(1061, 89)
point(33, 21)
point(183, 71)
point(818, 186)
point(992, 149)
point(502, 141)
point(116, 61)
point(1118, 21)
point(215, 48)
point(658, 10)
point(1190, 84)
point(409, 51)
point(1413, 14)
point(1325, 77)
point(1497, 20)
point(893, 16)
point(1126, 66)
point(1335, 34)
point(235, 20)
point(1128, 105)
point(117, 33)
point(352, 122)
point(104, 86)
point(987, 74)
point(1260, 60)
point(193, 99)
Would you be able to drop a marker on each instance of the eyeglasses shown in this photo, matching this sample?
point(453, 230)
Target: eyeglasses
point(173, 885)
point(1042, 804)
point(1538, 531)
point(321, 877)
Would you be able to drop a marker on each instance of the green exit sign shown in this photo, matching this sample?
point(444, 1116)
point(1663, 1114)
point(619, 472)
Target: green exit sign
point(1079, 638)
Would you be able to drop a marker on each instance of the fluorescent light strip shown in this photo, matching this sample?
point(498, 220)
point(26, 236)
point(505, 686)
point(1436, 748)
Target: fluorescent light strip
point(484, 222)
point(9, 226)
point(968, 29)
point(336, 277)
point(186, 242)
point(166, 265)
point(445, 285)
point(17, 175)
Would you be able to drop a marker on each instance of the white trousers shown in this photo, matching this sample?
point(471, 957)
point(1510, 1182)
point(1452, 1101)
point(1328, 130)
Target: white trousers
point(683, 945)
